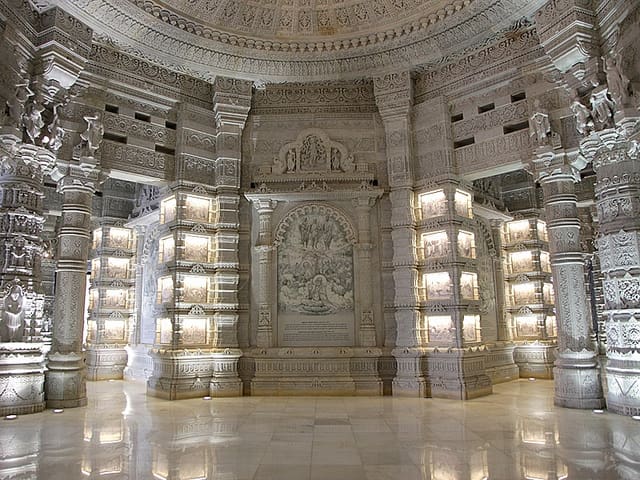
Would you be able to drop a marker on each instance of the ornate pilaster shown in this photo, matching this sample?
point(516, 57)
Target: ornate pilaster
point(576, 372)
point(366, 328)
point(394, 97)
point(265, 252)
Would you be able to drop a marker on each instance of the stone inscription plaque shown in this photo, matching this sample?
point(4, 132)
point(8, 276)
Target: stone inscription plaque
point(297, 330)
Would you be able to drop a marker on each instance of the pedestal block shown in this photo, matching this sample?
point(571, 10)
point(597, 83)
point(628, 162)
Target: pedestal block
point(105, 362)
point(180, 374)
point(535, 360)
point(312, 371)
point(458, 374)
point(66, 380)
point(411, 377)
point(500, 363)
point(22, 370)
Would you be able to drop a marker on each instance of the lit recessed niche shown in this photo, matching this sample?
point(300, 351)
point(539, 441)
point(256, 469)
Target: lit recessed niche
point(469, 286)
point(115, 298)
point(518, 231)
point(196, 289)
point(524, 293)
point(471, 328)
point(92, 330)
point(439, 328)
point(541, 227)
point(436, 244)
point(165, 330)
point(547, 293)
point(198, 208)
point(118, 267)
point(545, 262)
point(527, 325)
point(196, 248)
point(114, 329)
point(438, 285)
point(168, 210)
point(95, 268)
point(194, 331)
point(551, 325)
point(96, 236)
point(433, 204)
point(119, 237)
point(167, 249)
point(521, 262)
point(466, 244)
point(165, 289)
point(463, 204)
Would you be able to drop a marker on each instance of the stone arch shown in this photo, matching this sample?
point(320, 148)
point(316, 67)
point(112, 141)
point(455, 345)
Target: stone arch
point(285, 224)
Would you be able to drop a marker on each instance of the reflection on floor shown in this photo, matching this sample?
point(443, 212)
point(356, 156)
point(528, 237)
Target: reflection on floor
point(516, 433)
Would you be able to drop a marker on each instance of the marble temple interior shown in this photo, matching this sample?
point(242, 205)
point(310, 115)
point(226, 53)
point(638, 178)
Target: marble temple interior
point(320, 239)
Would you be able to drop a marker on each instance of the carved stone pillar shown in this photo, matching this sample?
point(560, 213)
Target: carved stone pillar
point(367, 328)
point(576, 372)
point(394, 99)
point(66, 378)
point(503, 328)
point(264, 249)
point(616, 160)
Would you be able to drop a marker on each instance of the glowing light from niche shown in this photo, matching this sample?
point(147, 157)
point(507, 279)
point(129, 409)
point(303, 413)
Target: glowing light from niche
point(167, 248)
point(466, 244)
point(168, 210)
point(463, 204)
point(469, 285)
point(470, 328)
point(433, 204)
point(524, 292)
point(166, 330)
point(545, 262)
point(97, 238)
point(95, 267)
point(521, 261)
point(195, 289)
point(115, 297)
point(439, 328)
point(197, 248)
point(551, 325)
point(165, 289)
point(541, 227)
point(114, 329)
point(118, 267)
point(518, 230)
point(119, 237)
point(436, 244)
point(547, 293)
point(198, 208)
point(527, 325)
point(438, 285)
point(194, 330)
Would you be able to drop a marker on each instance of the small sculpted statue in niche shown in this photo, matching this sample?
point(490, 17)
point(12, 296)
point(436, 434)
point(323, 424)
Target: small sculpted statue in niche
point(291, 160)
point(540, 126)
point(56, 132)
point(584, 122)
point(617, 81)
point(92, 136)
point(602, 108)
point(12, 321)
point(16, 105)
point(32, 120)
point(17, 255)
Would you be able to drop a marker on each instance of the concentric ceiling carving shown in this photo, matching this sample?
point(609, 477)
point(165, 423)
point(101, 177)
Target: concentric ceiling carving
point(296, 39)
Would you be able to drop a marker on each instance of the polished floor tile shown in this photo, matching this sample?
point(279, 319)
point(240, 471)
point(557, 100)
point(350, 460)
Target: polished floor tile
point(516, 433)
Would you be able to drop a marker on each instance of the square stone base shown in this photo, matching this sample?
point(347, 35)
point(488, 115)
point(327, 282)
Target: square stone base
point(500, 365)
point(458, 374)
point(106, 362)
point(535, 360)
point(22, 373)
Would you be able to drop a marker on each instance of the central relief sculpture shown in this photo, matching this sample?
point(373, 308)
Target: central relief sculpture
point(315, 279)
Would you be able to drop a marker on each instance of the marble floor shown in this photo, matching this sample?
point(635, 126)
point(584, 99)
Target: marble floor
point(516, 433)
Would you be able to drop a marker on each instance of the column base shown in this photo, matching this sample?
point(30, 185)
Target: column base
point(65, 381)
point(411, 379)
point(106, 362)
point(577, 382)
point(21, 378)
point(623, 395)
point(535, 360)
point(225, 381)
point(179, 374)
point(458, 374)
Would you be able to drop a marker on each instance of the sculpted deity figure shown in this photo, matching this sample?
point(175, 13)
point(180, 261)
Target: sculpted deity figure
point(56, 132)
point(32, 120)
point(92, 136)
point(540, 126)
point(12, 320)
point(291, 160)
point(17, 102)
point(584, 124)
point(617, 81)
point(602, 108)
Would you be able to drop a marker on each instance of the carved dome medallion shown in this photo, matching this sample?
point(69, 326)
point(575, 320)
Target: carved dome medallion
point(294, 40)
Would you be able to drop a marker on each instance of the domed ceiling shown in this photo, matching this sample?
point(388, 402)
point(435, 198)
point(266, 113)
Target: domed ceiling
point(283, 40)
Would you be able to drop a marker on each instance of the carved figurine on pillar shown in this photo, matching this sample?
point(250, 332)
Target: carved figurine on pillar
point(540, 126)
point(12, 322)
point(617, 81)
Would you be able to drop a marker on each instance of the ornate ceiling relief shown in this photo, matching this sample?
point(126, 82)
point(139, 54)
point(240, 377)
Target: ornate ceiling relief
point(295, 40)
